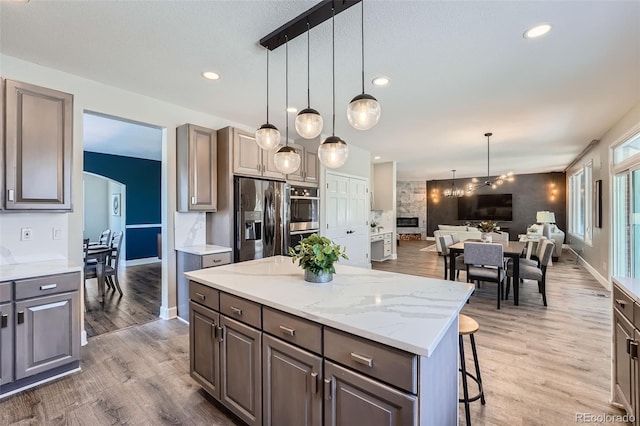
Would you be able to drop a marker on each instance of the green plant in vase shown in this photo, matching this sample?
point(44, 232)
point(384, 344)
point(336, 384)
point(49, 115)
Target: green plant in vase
point(487, 227)
point(316, 255)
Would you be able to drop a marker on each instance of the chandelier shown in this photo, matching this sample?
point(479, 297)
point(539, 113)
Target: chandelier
point(453, 191)
point(493, 184)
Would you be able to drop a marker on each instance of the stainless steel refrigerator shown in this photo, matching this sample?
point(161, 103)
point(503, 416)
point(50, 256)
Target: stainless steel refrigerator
point(261, 212)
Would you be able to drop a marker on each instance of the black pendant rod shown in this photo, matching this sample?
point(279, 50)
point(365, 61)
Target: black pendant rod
point(267, 86)
point(308, 68)
point(286, 89)
point(488, 155)
point(298, 25)
point(333, 61)
point(362, 25)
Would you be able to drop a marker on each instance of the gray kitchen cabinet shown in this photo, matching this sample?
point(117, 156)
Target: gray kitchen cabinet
point(292, 390)
point(6, 334)
point(309, 166)
point(38, 131)
point(204, 348)
point(196, 159)
point(241, 370)
point(352, 398)
point(2, 144)
point(190, 262)
point(47, 333)
point(249, 159)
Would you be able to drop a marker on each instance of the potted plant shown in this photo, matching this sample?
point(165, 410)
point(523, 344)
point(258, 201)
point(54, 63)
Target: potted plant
point(316, 255)
point(487, 227)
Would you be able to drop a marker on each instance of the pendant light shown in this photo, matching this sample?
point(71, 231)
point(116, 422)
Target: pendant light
point(309, 121)
point(333, 151)
point(287, 159)
point(364, 110)
point(268, 136)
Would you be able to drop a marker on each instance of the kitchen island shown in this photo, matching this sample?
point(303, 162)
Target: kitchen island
point(370, 347)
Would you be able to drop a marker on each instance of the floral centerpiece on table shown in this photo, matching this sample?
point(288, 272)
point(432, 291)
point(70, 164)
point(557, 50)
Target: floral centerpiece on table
point(316, 255)
point(488, 226)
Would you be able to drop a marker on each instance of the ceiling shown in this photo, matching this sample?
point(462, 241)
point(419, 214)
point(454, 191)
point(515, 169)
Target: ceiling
point(458, 69)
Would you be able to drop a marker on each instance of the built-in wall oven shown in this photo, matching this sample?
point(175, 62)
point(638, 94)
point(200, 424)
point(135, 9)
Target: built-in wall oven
point(304, 211)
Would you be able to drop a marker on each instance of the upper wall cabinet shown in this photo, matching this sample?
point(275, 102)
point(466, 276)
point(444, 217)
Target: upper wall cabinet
point(309, 166)
point(38, 147)
point(197, 169)
point(249, 159)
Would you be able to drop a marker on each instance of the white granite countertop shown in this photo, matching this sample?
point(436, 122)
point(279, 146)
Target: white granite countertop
point(630, 285)
point(380, 233)
point(203, 249)
point(403, 311)
point(37, 269)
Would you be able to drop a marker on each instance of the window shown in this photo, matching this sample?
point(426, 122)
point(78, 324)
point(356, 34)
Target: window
point(580, 203)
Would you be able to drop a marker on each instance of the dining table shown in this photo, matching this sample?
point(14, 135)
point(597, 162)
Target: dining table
point(100, 253)
point(511, 249)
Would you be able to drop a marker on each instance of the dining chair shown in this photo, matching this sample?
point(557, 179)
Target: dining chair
point(539, 274)
point(499, 236)
point(445, 242)
point(89, 267)
point(111, 267)
point(485, 262)
point(104, 239)
point(535, 258)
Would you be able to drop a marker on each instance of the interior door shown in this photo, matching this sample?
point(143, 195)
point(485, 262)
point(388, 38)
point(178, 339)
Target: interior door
point(359, 241)
point(337, 209)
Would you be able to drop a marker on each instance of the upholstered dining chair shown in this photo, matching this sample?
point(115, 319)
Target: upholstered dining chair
point(111, 268)
point(445, 242)
point(535, 258)
point(485, 262)
point(529, 272)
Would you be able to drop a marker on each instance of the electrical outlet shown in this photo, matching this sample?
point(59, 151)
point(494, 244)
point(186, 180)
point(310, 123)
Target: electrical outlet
point(26, 234)
point(56, 233)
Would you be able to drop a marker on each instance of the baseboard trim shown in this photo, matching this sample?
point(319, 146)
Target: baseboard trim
point(144, 261)
point(83, 338)
point(182, 320)
point(602, 280)
point(168, 313)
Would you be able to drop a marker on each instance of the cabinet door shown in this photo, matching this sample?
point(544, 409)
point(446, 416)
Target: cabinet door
point(247, 155)
point(292, 385)
point(47, 333)
point(203, 177)
point(2, 144)
point(312, 167)
point(38, 147)
point(269, 169)
point(623, 361)
point(353, 399)
point(6, 343)
point(241, 370)
point(298, 175)
point(204, 350)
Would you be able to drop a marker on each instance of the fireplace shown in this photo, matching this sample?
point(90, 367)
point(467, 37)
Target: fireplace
point(407, 222)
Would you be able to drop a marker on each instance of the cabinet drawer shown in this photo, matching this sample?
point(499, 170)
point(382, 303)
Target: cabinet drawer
point(51, 284)
point(378, 237)
point(204, 295)
point(387, 250)
point(390, 365)
point(5, 292)
point(218, 259)
point(241, 309)
point(293, 329)
point(387, 238)
point(623, 302)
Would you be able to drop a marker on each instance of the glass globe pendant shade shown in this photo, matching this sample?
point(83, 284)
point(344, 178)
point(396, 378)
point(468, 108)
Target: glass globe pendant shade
point(363, 112)
point(333, 152)
point(268, 137)
point(309, 123)
point(287, 160)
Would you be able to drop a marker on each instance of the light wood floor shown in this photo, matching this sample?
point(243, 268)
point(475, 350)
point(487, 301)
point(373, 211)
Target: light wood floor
point(540, 366)
point(141, 285)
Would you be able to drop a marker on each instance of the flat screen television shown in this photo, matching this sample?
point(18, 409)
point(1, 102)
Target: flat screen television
point(486, 207)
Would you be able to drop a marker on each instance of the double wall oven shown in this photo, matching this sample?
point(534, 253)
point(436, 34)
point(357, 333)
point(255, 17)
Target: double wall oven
point(304, 210)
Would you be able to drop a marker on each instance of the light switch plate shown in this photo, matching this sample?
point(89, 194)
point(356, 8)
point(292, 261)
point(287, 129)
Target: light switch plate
point(26, 234)
point(56, 233)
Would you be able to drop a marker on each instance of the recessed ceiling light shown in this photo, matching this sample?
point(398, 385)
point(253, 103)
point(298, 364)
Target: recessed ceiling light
point(537, 31)
point(292, 109)
point(380, 81)
point(210, 75)
point(377, 157)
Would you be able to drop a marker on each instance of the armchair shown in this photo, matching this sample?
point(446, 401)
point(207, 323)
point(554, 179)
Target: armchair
point(557, 235)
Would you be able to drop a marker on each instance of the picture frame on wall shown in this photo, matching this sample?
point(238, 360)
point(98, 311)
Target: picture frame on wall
point(597, 207)
point(115, 204)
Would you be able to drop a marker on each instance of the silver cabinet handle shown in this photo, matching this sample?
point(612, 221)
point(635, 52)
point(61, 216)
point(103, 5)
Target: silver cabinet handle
point(314, 383)
point(327, 389)
point(4, 321)
point(290, 331)
point(20, 317)
point(361, 359)
point(48, 286)
point(217, 260)
point(621, 302)
point(193, 200)
point(10, 195)
point(221, 333)
point(258, 167)
point(201, 296)
point(214, 330)
point(236, 311)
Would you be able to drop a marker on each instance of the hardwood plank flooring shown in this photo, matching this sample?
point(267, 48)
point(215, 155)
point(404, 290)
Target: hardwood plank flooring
point(540, 366)
point(140, 303)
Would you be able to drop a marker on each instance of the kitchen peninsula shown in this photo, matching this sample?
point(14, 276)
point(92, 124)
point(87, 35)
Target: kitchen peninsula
point(370, 347)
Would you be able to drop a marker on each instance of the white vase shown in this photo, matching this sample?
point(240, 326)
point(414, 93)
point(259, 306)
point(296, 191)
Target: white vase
point(486, 237)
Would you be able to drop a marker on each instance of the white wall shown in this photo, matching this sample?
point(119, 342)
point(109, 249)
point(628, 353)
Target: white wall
point(97, 97)
point(96, 206)
point(42, 245)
